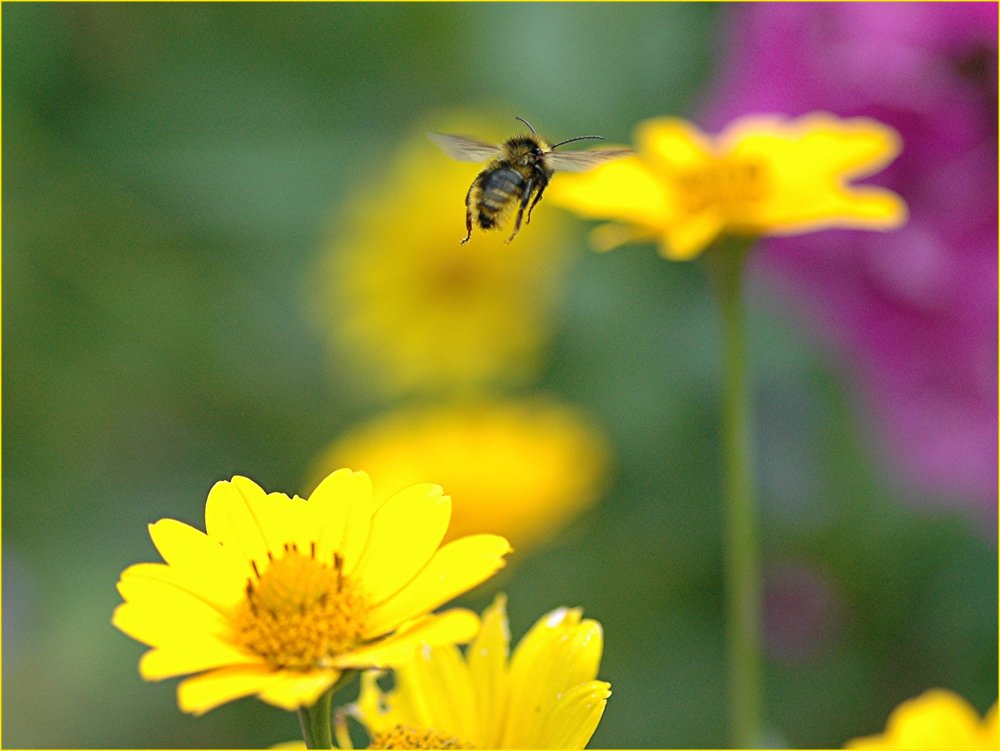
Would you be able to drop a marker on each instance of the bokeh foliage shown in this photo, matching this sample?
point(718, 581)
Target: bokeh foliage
point(170, 176)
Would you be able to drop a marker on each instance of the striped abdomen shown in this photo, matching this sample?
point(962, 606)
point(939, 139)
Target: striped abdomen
point(495, 191)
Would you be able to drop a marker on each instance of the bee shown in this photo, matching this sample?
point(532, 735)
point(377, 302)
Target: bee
point(518, 172)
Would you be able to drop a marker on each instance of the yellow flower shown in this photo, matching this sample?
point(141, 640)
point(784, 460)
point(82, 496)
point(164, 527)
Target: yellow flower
point(282, 595)
point(521, 469)
point(544, 696)
point(937, 719)
point(764, 175)
point(411, 309)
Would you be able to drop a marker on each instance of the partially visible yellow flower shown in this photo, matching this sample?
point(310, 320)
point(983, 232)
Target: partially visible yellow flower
point(763, 175)
point(521, 469)
point(281, 595)
point(937, 719)
point(544, 696)
point(407, 307)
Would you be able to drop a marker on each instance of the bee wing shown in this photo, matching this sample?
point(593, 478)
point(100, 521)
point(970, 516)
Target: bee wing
point(581, 161)
point(465, 149)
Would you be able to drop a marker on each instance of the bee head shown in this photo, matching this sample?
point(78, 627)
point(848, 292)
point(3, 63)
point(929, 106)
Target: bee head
point(543, 147)
point(532, 145)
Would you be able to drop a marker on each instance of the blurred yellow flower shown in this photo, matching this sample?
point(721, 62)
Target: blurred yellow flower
point(764, 175)
point(937, 719)
point(408, 307)
point(544, 696)
point(521, 469)
point(282, 595)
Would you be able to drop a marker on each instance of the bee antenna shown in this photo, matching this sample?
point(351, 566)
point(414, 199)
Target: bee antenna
point(516, 117)
point(579, 138)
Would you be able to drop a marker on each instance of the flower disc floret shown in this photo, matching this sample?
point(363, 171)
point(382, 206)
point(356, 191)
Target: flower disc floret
point(405, 736)
point(301, 613)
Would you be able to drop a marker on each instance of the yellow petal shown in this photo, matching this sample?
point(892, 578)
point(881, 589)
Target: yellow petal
point(201, 693)
point(405, 532)
point(280, 520)
point(231, 521)
point(194, 655)
point(580, 654)
point(864, 208)
point(672, 145)
point(210, 569)
point(487, 657)
point(447, 628)
point(157, 612)
point(299, 689)
point(221, 596)
point(342, 507)
point(438, 682)
point(846, 148)
point(624, 189)
point(935, 719)
point(756, 134)
point(272, 512)
point(688, 237)
point(575, 717)
point(300, 529)
point(991, 727)
point(453, 569)
point(610, 236)
point(806, 165)
point(378, 716)
point(559, 652)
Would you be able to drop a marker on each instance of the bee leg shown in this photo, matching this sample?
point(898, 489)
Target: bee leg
point(468, 226)
point(529, 188)
point(543, 183)
point(468, 214)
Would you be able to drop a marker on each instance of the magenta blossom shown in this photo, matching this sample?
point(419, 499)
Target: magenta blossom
point(915, 309)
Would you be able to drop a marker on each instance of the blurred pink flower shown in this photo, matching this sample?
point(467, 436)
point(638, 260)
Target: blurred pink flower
point(916, 309)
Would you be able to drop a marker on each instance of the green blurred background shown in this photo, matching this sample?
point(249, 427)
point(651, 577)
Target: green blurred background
point(170, 176)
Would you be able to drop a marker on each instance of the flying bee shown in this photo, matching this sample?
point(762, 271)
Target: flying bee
point(518, 172)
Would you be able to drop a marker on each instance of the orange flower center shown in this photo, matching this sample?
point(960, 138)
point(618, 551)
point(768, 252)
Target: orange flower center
point(301, 612)
point(405, 736)
point(728, 184)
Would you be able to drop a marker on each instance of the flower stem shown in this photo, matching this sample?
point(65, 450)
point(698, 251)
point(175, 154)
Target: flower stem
point(726, 262)
point(316, 720)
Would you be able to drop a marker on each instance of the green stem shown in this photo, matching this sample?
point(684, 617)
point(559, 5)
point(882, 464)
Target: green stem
point(742, 567)
point(316, 725)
